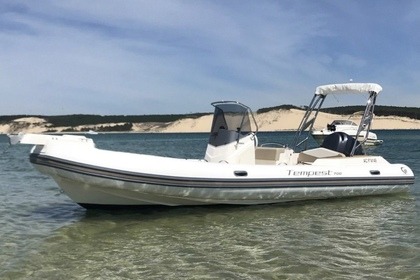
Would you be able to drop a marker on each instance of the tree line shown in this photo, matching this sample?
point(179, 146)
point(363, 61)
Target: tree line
point(86, 119)
point(380, 110)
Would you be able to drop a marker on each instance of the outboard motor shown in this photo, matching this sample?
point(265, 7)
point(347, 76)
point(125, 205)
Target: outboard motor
point(342, 142)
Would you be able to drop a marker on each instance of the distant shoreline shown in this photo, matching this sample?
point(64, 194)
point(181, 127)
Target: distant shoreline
point(274, 120)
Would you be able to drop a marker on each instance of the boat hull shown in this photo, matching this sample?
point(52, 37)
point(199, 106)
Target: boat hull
point(95, 185)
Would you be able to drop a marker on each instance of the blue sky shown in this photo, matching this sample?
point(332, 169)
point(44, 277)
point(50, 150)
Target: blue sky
point(174, 56)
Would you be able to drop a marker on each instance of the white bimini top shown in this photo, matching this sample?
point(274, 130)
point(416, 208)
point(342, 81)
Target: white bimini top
point(350, 87)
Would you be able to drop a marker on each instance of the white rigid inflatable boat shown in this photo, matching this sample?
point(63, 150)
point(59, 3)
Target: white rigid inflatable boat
point(235, 169)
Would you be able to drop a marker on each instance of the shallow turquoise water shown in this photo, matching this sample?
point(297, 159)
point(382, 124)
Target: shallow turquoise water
point(44, 235)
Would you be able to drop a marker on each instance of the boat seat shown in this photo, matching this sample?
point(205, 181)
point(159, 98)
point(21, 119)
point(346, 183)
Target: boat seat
point(311, 155)
point(267, 155)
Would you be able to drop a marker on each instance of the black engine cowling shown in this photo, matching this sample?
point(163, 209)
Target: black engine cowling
point(342, 142)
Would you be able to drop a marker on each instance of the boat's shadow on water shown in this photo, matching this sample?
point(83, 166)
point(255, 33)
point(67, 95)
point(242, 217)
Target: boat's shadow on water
point(66, 217)
point(59, 212)
point(71, 212)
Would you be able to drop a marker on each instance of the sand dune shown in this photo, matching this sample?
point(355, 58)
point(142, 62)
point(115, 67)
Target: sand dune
point(276, 120)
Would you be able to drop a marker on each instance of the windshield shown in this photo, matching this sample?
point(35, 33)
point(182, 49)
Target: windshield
point(231, 117)
point(343, 122)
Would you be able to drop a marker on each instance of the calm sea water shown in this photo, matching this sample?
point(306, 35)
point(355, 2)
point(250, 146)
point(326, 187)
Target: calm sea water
point(44, 235)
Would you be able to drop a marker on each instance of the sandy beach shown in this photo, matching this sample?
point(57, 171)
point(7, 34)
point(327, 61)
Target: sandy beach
point(276, 120)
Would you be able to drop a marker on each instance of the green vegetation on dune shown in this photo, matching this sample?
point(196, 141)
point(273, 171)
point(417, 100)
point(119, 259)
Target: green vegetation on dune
point(75, 120)
point(83, 119)
point(281, 107)
point(409, 112)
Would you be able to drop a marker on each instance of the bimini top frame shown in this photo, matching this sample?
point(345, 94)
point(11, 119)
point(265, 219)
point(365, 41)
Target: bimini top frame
point(321, 92)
